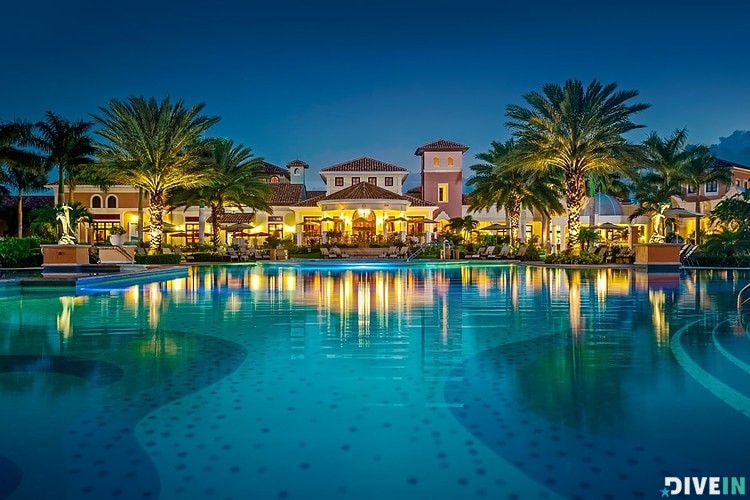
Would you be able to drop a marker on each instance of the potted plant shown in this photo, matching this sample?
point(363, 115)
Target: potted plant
point(117, 235)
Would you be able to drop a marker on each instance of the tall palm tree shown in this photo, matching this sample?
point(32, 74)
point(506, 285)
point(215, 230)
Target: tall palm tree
point(700, 169)
point(67, 146)
point(21, 169)
point(501, 183)
point(667, 165)
point(155, 146)
point(235, 179)
point(576, 131)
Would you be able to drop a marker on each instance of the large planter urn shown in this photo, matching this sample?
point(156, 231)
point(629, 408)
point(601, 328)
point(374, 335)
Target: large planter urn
point(117, 239)
point(658, 256)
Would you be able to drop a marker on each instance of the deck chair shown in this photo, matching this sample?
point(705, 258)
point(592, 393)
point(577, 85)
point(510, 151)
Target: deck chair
point(326, 254)
point(504, 253)
point(489, 253)
point(233, 257)
point(522, 251)
point(480, 253)
point(390, 252)
point(403, 253)
point(339, 254)
point(394, 254)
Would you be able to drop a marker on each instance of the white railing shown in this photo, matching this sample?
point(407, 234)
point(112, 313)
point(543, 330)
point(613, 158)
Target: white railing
point(741, 302)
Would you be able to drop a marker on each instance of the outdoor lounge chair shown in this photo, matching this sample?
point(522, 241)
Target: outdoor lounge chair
point(391, 252)
point(521, 251)
point(489, 253)
point(326, 254)
point(395, 253)
point(626, 257)
point(233, 257)
point(403, 253)
point(504, 253)
point(339, 254)
point(688, 258)
point(481, 252)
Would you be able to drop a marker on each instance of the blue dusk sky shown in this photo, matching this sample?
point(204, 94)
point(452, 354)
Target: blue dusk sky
point(331, 81)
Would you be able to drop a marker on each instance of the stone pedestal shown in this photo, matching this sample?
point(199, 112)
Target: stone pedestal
point(65, 255)
point(658, 256)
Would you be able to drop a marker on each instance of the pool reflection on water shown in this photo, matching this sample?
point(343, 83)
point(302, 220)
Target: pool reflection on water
point(447, 381)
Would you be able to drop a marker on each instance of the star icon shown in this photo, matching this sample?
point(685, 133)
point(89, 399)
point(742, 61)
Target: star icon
point(664, 492)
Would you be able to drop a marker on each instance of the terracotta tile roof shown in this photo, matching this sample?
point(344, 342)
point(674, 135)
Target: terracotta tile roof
point(364, 164)
point(271, 169)
point(441, 145)
point(729, 164)
point(418, 201)
point(28, 201)
point(415, 191)
point(297, 163)
point(286, 194)
point(363, 191)
point(315, 194)
point(238, 218)
point(310, 202)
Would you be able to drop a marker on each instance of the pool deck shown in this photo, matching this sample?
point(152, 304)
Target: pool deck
point(127, 276)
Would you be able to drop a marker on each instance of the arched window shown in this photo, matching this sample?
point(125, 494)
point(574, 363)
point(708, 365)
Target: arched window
point(111, 201)
point(96, 201)
point(296, 171)
point(450, 161)
point(436, 162)
point(274, 179)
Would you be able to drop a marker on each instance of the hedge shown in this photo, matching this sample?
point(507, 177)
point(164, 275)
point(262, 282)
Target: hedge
point(20, 252)
point(158, 259)
point(567, 258)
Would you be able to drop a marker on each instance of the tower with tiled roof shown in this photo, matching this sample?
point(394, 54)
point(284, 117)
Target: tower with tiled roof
point(297, 171)
point(442, 174)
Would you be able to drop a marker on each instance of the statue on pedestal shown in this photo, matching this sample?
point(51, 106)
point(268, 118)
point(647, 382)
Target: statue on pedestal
point(67, 236)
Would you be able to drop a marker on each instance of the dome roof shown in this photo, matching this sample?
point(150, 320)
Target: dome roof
point(605, 205)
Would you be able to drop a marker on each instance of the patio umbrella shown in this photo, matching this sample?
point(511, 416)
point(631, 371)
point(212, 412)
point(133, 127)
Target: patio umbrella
point(181, 234)
point(239, 226)
point(242, 234)
point(680, 212)
point(610, 226)
point(260, 235)
point(167, 227)
point(429, 221)
point(327, 219)
point(493, 227)
point(398, 219)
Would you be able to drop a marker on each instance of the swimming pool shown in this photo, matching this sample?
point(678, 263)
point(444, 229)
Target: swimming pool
point(279, 381)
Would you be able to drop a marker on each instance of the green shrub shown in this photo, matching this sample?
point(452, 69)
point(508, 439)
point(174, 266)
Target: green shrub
point(168, 258)
point(567, 258)
point(533, 252)
point(210, 257)
point(20, 252)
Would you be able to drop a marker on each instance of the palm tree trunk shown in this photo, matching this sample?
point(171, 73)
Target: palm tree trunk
point(156, 214)
point(20, 214)
point(515, 221)
point(576, 193)
point(140, 215)
point(545, 230)
point(61, 185)
point(217, 214)
point(697, 219)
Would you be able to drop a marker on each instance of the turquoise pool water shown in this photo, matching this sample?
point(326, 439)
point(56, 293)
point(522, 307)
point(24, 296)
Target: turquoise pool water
point(421, 381)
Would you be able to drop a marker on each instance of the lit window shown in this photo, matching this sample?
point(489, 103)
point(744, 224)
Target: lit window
point(389, 181)
point(450, 161)
point(712, 187)
point(274, 179)
point(373, 180)
point(111, 201)
point(355, 180)
point(96, 201)
point(436, 162)
point(442, 193)
point(338, 181)
point(690, 189)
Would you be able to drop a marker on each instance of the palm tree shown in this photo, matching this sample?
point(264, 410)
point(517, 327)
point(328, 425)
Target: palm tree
point(576, 132)
point(501, 184)
point(155, 146)
point(67, 146)
point(700, 169)
point(668, 161)
point(235, 179)
point(21, 169)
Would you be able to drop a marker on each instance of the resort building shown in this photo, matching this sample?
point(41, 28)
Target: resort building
point(364, 201)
